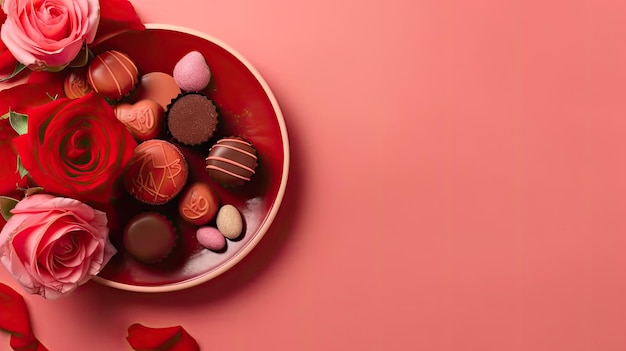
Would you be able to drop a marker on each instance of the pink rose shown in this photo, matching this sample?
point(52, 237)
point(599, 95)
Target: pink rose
point(51, 245)
point(48, 34)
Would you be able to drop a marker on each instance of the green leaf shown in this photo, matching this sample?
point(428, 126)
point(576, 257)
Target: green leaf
point(5, 116)
point(20, 168)
point(19, 122)
point(6, 205)
point(18, 68)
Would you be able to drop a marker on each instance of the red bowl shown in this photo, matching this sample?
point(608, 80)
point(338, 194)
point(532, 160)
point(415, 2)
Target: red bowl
point(247, 109)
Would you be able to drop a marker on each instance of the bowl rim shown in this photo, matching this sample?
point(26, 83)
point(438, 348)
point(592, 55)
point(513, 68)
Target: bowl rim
point(265, 225)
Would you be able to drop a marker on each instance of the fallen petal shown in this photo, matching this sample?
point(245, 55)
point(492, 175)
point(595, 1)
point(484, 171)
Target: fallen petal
point(14, 320)
point(142, 338)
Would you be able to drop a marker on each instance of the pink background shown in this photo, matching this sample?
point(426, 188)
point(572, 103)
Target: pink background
point(458, 182)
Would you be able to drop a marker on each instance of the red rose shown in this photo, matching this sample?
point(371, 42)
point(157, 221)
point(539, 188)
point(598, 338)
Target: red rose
point(75, 148)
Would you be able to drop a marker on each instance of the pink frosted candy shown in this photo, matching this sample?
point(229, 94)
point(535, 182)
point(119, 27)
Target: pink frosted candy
point(211, 238)
point(191, 72)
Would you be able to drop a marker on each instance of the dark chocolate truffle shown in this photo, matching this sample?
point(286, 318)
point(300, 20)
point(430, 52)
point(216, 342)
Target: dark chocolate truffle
point(112, 74)
point(232, 161)
point(149, 237)
point(192, 119)
point(156, 173)
point(198, 204)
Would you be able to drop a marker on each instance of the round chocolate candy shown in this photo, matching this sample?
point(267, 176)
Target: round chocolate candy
point(149, 237)
point(112, 74)
point(232, 161)
point(192, 119)
point(156, 173)
point(143, 119)
point(157, 86)
point(75, 85)
point(198, 204)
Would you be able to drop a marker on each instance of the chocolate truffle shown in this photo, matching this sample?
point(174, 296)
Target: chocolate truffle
point(112, 74)
point(75, 85)
point(192, 119)
point(143, 119)
point(198, 204)
point(232, 161)
point(156, 173)
point(149, 237)
point(157, 86)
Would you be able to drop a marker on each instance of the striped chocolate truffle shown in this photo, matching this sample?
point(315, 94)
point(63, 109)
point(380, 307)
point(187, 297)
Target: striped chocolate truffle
point(231, 161)
point(112, 74)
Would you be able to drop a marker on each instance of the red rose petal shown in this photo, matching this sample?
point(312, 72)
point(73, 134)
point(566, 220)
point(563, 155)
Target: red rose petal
point(116, 16)
point(14, 320)
point(9, 177)
point(37, 92)
point(13, 313)
point(26, 344)
point(142, 338)
point(56, 78)
point(7, 61)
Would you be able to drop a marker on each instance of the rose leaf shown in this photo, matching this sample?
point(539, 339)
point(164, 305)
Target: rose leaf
point(6, 205)
point(20, 168)
point(19, 122)
point(18, 68)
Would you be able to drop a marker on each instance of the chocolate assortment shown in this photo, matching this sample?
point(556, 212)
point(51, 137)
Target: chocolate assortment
point(172, 117)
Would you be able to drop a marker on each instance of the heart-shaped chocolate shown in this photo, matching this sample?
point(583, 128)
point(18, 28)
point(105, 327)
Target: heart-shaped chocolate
point(143, 119)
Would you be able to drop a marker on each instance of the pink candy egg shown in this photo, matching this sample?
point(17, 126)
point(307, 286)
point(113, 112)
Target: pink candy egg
point(192, 73)
point(211, 238)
